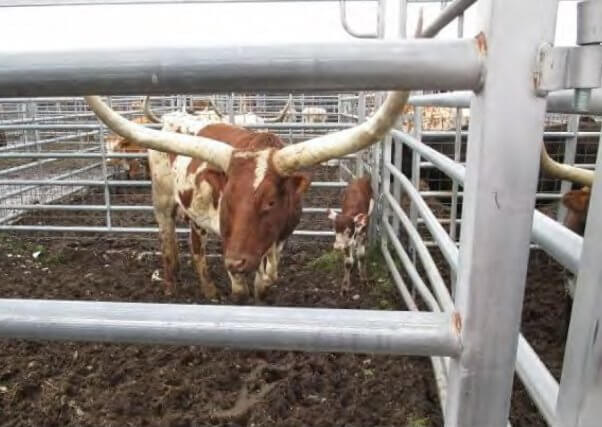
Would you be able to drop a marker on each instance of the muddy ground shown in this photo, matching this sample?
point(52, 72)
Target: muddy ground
point(86, 384)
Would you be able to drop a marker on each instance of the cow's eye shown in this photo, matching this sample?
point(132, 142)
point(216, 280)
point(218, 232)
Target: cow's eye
point(269, 205)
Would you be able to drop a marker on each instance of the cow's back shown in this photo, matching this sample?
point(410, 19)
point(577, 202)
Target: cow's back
point(357, 196)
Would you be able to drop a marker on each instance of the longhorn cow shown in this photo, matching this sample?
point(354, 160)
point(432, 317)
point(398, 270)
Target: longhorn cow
point(241, 185)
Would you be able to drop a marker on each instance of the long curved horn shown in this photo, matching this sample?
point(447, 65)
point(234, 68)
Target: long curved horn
point(217, 111)
point(212, 151)
point(148, 113)
point(569, 173)
point(317, 150)
point(283, 112)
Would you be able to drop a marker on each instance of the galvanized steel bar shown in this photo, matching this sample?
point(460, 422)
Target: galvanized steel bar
point(500, 187)
point(266, 328)
point(562, 244)
point(578, 403)
point(368, 65)
point(539, 382)
point(448, 247)
point(425, 257)
point(104, 229)
point(447, 15)
point(557, 102)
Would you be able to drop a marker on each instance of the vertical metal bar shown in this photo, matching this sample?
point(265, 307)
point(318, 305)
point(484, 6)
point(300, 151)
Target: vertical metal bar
point(499, 197)
point(380, 18)
point(570, 151)
point(386, 187)
point(402, 31)
point(361, 117)
point(457, 155)
point(416, 172)
point(580, 393)
point(231, 108)
point(105, 175)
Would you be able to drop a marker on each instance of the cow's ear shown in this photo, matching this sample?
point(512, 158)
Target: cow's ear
point(300, 182)
point(360, 219)
point(332, 214)
point(577, 200)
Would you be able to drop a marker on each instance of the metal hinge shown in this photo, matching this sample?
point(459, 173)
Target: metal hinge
point(574, 67)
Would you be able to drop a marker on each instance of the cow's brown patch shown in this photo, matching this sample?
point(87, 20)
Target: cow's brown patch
point(186, 197)
point(193, 166)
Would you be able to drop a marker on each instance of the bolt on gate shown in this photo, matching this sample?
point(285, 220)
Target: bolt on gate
point(508, 79)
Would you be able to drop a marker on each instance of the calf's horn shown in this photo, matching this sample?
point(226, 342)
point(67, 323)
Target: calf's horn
point(283, 112)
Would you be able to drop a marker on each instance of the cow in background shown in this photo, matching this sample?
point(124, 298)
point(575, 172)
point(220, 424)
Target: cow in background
point(314, 115)
point(351, 227)
point(136, 168)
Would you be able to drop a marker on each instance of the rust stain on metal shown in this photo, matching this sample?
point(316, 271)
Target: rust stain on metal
point(481, 43)
point(456, 322)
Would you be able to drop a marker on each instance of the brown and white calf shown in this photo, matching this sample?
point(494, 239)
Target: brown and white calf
point(239, 184)
point(351, 227)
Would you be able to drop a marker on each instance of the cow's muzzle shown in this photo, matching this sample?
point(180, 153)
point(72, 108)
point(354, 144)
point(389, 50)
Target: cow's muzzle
point(241, 263)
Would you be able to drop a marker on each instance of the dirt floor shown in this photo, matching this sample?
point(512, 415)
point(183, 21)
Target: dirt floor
point(85, 384)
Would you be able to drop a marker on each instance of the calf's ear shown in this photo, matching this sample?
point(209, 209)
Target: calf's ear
point(360, 219)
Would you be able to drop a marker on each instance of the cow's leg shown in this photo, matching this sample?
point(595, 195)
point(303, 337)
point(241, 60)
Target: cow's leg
point(169, 249)
point(273, 259)
point(348, 264)
point(165, 213)
point(197, 247)
point(361, 261)
point(239, 286)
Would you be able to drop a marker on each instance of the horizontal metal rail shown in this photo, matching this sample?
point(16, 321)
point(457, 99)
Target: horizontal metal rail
point(62, 138)
point(266, 328)
point(141, 230)
point(49, 181)
point(559, 242)
point(115, 208)
point(282, 125)
point(358, 65)
point(46, 3)
point(557, 102)
point(132, 183)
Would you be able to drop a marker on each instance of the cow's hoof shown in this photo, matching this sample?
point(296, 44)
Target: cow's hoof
point(209, 291)
point(240, 297)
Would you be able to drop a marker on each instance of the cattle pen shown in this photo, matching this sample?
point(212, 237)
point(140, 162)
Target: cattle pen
point(469, 262)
